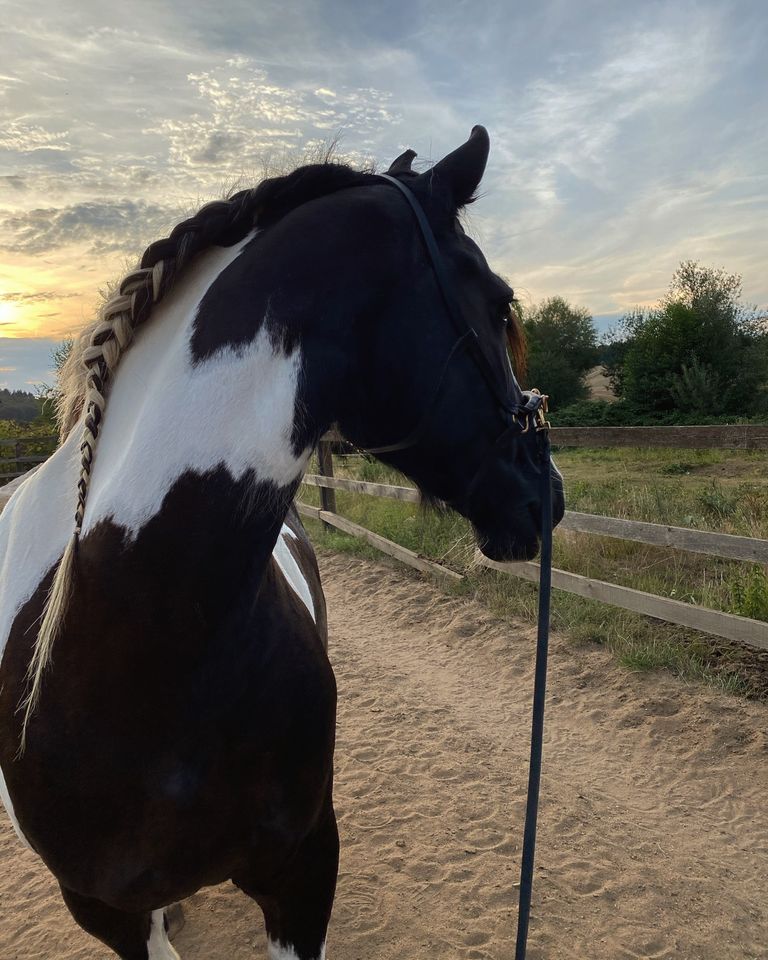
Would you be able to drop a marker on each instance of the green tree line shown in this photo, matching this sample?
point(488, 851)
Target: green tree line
point(698, 355)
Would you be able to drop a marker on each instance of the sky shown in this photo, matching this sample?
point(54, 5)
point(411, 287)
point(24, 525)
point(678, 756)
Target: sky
point(625, 137)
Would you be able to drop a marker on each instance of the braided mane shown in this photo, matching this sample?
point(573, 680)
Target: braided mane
point(95, 356)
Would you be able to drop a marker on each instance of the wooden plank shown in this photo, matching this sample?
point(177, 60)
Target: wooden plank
point(717, 436)
point(754, 633)
point(306, 510)
point(38, 459)
point(743, 437)
point(655, 534)
point(325, 466)
point(362, 486)
point(661, 535)
point(380, 543)
point(15, 440)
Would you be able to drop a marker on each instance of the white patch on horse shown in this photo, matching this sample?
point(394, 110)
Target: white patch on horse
point(164, 416)
point(280, 951)
point(292, 571)
point(38, 520)
point(159, 945)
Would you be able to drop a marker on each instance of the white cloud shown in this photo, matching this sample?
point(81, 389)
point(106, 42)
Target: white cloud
point(99, 226)
point(26, 137)
point(241, 116)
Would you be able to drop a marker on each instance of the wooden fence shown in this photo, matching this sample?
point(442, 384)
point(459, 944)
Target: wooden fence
point(14, 459)
point(723, 436)
point(752, 550)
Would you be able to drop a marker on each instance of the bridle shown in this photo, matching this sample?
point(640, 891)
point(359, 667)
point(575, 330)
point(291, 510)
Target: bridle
point(521, 411)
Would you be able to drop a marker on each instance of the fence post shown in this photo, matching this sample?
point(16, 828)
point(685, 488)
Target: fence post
point(325, 469)
point(17, 453)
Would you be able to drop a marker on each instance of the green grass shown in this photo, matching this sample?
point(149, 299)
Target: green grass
point(710, 490)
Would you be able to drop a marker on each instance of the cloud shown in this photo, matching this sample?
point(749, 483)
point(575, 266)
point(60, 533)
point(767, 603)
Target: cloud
point(578, 119)
point(41, 296)
point(104, 226)
point(27, 137)
point(13, 182)
point(243, 116)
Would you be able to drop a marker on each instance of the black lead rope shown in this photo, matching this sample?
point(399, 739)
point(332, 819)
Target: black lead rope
point(535, 414)
point(539, 692)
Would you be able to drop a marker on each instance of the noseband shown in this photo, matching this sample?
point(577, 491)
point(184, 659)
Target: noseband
point(521, 411)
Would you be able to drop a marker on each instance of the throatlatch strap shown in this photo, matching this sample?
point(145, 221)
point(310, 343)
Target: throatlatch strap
point(415, 435)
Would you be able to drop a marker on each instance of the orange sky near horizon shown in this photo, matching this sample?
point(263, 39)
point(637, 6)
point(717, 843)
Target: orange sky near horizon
point(47, 300)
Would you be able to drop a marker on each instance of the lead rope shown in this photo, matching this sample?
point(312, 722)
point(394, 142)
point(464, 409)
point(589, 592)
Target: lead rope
point(539, 691)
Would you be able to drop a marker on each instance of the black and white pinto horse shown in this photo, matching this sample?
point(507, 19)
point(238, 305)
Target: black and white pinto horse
point(184, 731)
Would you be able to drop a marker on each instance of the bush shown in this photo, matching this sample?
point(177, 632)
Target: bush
point(622, 413)
point(562, 347)
point(700, 351)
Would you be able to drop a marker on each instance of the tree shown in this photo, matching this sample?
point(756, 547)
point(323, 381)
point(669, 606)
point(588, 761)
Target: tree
point(562, 348)
point(47, 395)
point(699, 349)
point(611, 353)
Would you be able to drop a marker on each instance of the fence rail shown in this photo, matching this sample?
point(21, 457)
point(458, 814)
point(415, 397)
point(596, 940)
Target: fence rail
point(18, 457)
point(727, 625)
point(719, 436)
point(376, 540)
point(655, 534)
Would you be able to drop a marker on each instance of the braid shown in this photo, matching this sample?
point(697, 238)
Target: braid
point(222, 222)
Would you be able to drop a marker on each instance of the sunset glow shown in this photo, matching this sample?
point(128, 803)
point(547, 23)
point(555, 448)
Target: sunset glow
point(8, 312)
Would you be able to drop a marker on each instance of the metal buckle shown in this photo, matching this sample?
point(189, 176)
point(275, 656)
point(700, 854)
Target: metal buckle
point(540, 418)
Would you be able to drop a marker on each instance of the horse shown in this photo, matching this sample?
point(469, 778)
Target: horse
point(167, 703)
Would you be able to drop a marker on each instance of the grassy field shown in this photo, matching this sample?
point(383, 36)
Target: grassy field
point(705, 489)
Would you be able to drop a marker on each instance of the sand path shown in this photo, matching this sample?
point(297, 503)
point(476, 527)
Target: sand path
point(654, 818)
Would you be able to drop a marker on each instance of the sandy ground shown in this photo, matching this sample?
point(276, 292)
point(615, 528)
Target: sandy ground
point(654, 820)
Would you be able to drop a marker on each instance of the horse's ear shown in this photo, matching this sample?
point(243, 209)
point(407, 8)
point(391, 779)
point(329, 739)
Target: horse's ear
point(461, 171)
point(402, 164)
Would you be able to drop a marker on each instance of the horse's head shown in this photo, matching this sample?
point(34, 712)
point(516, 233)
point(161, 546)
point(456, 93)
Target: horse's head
point(432, 390)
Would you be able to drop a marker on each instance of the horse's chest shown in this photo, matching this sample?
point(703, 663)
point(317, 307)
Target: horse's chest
point(33, 534)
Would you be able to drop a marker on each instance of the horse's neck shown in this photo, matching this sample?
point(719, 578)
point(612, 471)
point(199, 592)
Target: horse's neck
point(169, 417)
